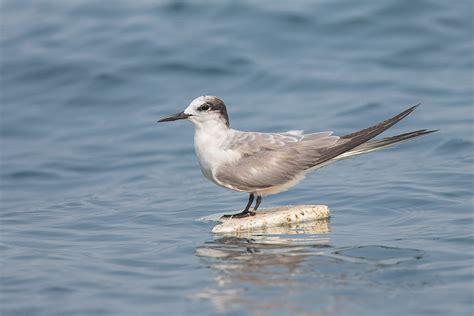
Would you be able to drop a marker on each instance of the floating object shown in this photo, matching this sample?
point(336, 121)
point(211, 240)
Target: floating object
point(271, 217)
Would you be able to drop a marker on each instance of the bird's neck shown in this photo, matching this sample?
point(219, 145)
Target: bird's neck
point(209, 145)
point(212, 132)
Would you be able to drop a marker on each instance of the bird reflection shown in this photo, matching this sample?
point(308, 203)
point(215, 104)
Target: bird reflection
point(265, 258)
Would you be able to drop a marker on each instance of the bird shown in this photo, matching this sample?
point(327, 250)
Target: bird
point(263, 164)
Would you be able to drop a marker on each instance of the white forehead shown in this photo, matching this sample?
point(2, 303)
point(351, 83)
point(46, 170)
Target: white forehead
point(200, 100)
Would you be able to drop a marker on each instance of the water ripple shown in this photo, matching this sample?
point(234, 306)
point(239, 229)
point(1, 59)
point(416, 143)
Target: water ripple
point(99, 202)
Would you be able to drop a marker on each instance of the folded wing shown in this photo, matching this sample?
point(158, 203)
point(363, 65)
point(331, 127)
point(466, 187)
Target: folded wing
point(269, 160)
point(272, 159)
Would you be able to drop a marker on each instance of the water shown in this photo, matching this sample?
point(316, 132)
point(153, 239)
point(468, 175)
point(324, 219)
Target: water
point(99, 203)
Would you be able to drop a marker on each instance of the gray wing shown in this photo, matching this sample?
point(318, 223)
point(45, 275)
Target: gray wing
point(272, 159)
point(275, 159)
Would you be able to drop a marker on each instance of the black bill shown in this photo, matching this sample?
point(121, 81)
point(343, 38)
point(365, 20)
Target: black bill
point(174, 117)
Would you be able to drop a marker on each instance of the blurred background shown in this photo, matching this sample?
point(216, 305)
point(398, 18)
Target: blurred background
point(99, 204)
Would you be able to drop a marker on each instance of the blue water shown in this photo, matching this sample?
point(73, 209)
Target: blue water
point(99, 204)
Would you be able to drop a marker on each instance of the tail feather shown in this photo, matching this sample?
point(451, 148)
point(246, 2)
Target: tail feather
point(382, 143)
point(351, 141)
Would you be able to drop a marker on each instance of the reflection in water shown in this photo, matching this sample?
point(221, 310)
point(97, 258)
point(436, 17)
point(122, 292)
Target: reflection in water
point(266, 258)
point(293, 260)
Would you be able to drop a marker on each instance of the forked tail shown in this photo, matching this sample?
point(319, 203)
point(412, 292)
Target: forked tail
point(382, 143)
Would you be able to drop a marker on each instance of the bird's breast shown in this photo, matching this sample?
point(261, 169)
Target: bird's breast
point(212, 155)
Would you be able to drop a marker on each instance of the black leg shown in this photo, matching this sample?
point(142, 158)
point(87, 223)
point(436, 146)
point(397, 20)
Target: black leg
point(246, 211)
point(251, 197)
point(257, 204)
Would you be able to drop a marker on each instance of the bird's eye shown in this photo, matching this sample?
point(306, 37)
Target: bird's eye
point(204, 107)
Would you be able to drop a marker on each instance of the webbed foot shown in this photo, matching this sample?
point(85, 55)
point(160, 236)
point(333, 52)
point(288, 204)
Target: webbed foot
point(240, 215)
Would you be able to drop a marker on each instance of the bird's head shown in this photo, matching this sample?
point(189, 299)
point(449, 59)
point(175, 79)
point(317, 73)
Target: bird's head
point(204, 110)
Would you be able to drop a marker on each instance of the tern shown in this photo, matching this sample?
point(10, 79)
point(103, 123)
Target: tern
point(263, 164)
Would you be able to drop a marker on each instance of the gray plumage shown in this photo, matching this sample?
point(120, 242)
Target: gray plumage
point(271, 159)
point(268, 163)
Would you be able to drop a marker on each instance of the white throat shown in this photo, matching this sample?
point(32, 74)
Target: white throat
point(209, 139)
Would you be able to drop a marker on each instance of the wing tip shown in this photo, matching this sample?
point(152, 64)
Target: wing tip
point(408, 111)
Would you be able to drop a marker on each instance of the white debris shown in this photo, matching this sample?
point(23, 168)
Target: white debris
point(271, 217)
